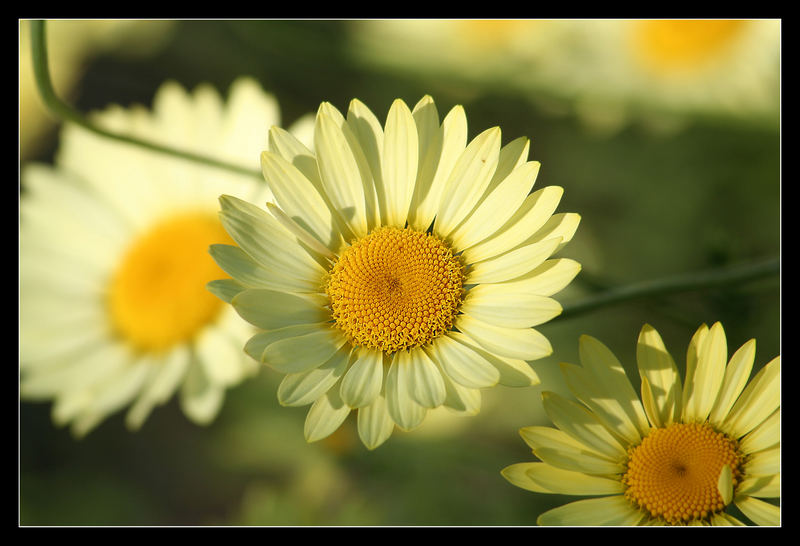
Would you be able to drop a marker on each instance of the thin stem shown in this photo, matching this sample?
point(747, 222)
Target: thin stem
point(62, 110)
point(681, 283)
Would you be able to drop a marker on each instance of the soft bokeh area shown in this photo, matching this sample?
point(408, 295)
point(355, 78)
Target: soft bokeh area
point(668, 147)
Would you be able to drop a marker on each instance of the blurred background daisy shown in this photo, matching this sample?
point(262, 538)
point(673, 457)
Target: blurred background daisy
point(653, 204)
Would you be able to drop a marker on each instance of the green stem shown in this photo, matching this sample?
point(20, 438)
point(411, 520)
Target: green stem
point(681, 283)
point(62, 110)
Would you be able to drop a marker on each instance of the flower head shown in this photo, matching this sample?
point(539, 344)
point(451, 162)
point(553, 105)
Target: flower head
point(402, 268)
point(681, 455)
point(114, 260)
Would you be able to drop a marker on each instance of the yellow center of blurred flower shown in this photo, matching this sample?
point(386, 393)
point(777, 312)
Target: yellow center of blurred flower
point(395, 289)
point(491, 32)
point(673, 473)
point(668, 47)
point(157, 296)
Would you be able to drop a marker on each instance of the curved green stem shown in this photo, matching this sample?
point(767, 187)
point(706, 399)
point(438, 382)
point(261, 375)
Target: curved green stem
point(62, 110)
point(681, 283)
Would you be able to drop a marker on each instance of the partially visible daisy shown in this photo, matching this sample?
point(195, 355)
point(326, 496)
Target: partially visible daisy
point(401, 270)
point(681, 456)
point(654, 69)
point(114, 260)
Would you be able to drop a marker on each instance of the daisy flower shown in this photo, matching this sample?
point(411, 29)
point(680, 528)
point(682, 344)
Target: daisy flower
point(683, 454)
point(114, 260)
point(402, 268)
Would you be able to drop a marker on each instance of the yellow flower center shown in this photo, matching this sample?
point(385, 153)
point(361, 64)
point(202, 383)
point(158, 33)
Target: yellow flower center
point(157, 296)
point(675, 46)
point(395, 289)
point(673, 473)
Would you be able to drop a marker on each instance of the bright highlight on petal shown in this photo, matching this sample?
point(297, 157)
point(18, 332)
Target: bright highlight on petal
point(674, 470)
point(366, 254)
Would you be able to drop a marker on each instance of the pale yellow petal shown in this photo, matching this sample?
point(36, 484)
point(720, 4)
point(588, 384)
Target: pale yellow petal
point(582, 425)
point(399, 163)
point(567, 482)
point(513, 264)
point(760, 512)
point(657, 366)
point(301, 389)
point(501, 306)
point(764, 436)
point(405, 412)
point(470, 176)
point(708, 375)
point(736, 375)
point(758, 401)
point(528, 218)
point(616, 510)
point(325, 416)
point(363, 381)
point(435, 169)
point(375, 425)
point(520, 343)
point(425, 383)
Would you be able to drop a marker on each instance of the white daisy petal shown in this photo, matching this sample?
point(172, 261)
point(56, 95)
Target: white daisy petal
point(501, 306)
point(513, 264)
point(301, 389)
point(399, 163)
point(325, 416)
point(765, 487)
point(462, 364)
point(567, 482)
point(271, 309)
point(758, 401)
point(169, 372)
point(616, 510)
point(608, 409)
point(301, 201)
point(561, 450)
point(493, 212)
point(225, 289)
point(533, 213)
point(470, 176)
point(582, 425)
point(520, 343)
point(403, 410)
point(110, 396)
point(435, 169)
point(341, 178)
point(764, 436)
point(425, 383)
point(547, 279)
point(760, 512)
point(266, 241)
point(200, 398)
point(517, 474)
point(763, 463)
point(363, 381)
point(609, 375)
point(305, 352)
point(708, 376)
point(368, 132)
point(657, 366)
point(514, 372)
point(375, 425)
point(736, 375)
point(219, 357)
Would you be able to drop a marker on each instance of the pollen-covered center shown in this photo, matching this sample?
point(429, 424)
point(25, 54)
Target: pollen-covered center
point(675, 46)
point(157, 296)
point(673, 473)
point(395, 289)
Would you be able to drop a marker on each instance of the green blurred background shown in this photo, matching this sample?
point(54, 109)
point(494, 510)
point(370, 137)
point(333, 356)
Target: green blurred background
point(653, 204)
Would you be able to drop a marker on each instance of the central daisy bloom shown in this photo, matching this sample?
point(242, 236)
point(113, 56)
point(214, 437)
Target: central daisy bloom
point(402, 268)
point(681, 454)
point(395, 289)
point(673, 473)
